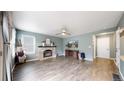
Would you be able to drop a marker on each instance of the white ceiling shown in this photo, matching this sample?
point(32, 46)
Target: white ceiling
point(77, 22)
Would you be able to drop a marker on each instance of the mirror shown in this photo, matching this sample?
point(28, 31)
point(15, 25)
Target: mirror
point(72, 44)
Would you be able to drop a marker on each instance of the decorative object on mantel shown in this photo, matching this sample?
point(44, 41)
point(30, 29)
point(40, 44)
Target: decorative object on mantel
point(72, 44)
point(47, 43)
point(43, 43)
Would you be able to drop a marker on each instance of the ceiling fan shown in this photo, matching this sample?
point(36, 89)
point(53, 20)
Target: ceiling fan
point(63, 32)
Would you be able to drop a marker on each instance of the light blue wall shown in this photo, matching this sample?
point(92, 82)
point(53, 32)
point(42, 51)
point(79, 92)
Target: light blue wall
point(121, 22)
point(39, 38)
point(85, 41)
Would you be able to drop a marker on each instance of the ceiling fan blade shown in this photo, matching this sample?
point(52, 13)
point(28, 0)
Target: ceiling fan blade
point(67, 33)
point(58, 33)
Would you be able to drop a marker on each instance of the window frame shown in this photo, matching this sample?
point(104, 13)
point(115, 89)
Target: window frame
point(33, 37)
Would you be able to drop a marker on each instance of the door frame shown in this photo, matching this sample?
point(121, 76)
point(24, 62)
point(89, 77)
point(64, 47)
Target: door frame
point(94, 46)
point(94, 40)
point(119, 30)
point(117, 62)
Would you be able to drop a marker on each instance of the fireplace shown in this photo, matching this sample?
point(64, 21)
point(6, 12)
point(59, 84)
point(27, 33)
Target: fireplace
point(47, 53)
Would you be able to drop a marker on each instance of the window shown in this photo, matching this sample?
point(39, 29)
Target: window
point(28, 43)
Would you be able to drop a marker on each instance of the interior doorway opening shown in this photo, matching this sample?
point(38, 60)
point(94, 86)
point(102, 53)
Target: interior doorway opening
point(104, 45)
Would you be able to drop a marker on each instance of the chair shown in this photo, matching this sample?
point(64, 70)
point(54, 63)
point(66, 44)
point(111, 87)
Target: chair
point(20, 55)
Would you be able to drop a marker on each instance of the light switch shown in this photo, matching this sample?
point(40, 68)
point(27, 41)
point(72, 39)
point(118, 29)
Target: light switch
point(89, 46)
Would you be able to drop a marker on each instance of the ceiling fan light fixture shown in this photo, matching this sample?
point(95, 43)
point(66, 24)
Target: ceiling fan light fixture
point(63, 34)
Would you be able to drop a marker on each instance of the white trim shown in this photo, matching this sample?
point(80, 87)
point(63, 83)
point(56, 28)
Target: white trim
point(31, 60)
point(106, 58)
point(88, 59)
point(61, 54)
point(112, 59)
point(13, 68)
point(105, 33)
point(94, 39)
point(12, 71)
point(48, 58)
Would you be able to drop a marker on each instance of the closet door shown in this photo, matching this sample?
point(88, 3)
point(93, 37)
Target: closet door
point(103, 47)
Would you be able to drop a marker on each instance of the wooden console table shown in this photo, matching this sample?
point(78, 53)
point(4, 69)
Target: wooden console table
point(72, 53)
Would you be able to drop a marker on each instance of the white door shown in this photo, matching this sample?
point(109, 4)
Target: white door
point(103, 47)
point(118, 48)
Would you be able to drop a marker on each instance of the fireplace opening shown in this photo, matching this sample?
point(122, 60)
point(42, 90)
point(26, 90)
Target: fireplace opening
point(47, 53)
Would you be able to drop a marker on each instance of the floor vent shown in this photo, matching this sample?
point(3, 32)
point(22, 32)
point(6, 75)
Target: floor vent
point(116, 77)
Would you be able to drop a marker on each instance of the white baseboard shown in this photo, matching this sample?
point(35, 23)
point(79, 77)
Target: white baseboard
point(112, 59)
point(47, 58)
point(61, 55)
point(88, 59)
point(31, 60)
point(106, 58)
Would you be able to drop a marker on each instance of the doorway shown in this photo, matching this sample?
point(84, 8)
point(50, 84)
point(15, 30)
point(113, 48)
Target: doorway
point(104, 45)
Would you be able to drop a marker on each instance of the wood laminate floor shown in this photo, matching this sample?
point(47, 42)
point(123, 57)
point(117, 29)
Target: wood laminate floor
point(62, 68)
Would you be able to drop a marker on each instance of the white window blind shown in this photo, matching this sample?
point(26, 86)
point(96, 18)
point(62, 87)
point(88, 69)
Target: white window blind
point(28, 44)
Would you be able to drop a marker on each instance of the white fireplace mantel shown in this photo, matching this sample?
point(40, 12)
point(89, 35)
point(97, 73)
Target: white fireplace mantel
point(41, 52)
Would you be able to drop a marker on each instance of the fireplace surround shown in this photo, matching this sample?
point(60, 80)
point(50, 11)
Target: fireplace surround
point(45, 52)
